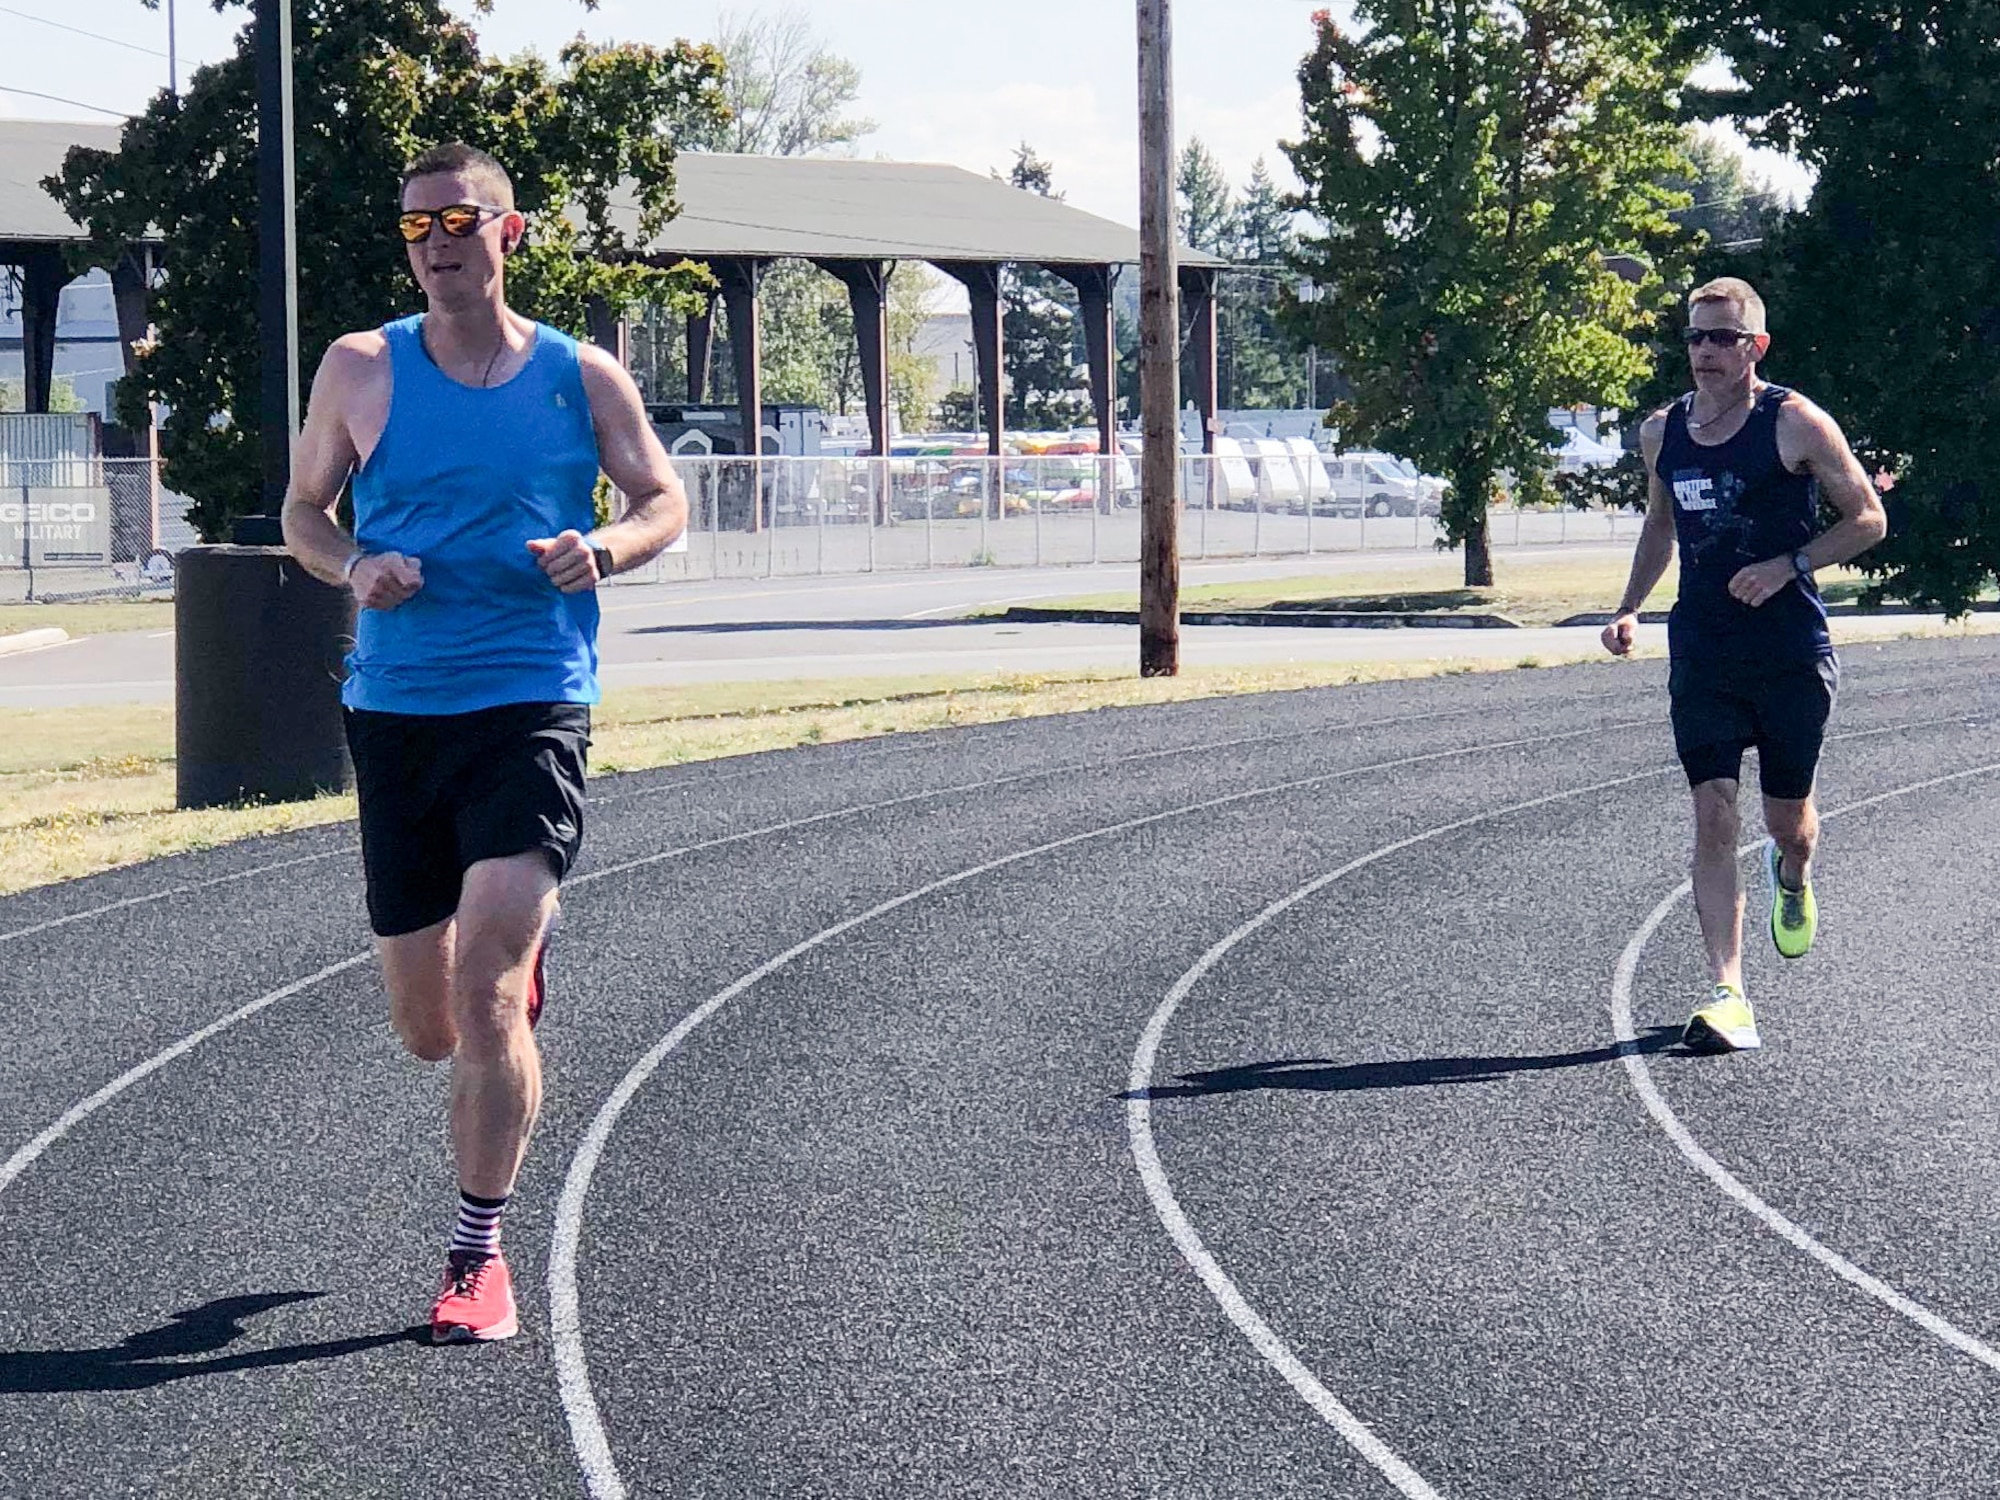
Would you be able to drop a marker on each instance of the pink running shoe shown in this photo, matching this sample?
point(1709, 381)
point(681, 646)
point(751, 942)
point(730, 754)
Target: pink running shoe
point(476, 1302)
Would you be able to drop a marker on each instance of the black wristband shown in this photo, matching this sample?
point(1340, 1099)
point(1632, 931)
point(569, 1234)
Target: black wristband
point(602, 557)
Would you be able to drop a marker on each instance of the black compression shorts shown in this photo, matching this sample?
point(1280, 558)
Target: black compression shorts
point(439, 793)
point(1722, 708)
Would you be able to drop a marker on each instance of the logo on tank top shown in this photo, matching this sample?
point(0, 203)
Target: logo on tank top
point(1694, 490)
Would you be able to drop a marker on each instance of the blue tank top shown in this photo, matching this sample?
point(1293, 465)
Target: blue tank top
point(1736, 503)
point(462, 479)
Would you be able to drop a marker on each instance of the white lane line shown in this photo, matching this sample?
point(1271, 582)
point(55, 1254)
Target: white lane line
point(178, 890)
point(26, 1157)
point(593, 1446)
point(1138, 1120)
point(1159, 1190)
point(28, 1154)
point(1732, 1186)
point(1076, 768)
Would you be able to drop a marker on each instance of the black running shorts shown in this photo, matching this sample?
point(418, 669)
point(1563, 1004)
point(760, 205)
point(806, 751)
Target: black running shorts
point(1722, 708)
point(441, 792)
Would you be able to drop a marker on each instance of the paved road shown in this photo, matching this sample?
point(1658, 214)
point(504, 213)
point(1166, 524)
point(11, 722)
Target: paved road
point(881, 626)
point(1217, 1099)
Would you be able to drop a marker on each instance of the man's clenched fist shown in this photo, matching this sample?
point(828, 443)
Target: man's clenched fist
point(567, 560)
point(383, 580)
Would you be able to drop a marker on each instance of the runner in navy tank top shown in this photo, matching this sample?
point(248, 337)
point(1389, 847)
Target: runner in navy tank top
point(1737, 471)
point(473, 438)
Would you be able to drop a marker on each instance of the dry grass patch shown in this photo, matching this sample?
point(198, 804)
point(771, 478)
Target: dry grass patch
point(89, 617)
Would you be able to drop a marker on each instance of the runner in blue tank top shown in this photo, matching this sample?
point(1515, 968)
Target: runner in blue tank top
point(1736, 471)
point(473, 438)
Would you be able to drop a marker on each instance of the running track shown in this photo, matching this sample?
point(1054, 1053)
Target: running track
point(1216, 1100)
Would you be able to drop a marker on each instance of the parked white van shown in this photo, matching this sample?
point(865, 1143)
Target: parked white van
point(1372, 484)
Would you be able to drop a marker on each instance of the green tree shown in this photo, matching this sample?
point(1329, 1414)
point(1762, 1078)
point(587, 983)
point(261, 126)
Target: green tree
point(1884, 292)
point(388, 77)
point(1267, 362)
point(1041, 329)
point(1206, 210)
point(1471, 163)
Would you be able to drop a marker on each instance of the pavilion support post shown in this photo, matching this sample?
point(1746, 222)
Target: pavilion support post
point(1198, 295)
point(742, 279)
point(135, 492)
point(867, 283)
point(42, 280)
point(701, 339)
point(1093, 294)
point(132, 294)
point(982, 285)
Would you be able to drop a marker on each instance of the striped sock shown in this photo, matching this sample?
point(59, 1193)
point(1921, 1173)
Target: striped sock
point(478, 1229)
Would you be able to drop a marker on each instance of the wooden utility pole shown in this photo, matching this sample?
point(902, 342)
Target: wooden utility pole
point(1159, 351)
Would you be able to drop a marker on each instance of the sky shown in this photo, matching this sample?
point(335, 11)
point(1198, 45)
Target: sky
point(944, 82)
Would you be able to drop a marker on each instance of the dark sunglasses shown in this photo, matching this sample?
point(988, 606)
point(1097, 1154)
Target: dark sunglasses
point(457, 219)
point(1728, 338)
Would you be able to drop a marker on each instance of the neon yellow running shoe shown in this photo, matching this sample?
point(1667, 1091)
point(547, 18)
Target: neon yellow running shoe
point(1725, 1024)
point(1794, 913)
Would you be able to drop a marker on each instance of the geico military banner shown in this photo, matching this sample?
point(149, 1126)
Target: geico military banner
point(53, 528)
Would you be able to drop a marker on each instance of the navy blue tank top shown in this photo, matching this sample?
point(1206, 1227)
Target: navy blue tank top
point(1736, 503)
point(461, 479)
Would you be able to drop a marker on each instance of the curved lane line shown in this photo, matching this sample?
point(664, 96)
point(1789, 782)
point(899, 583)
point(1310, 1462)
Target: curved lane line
point(24, 1158)
point(593, 1446)
point(1145, 1153)
point(1138, 1119)
point(28, 1154)
point(1732, 1186)
point(179, 890)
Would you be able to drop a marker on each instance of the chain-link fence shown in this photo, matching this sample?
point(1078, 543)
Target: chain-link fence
point(77, 526)
point(779, 517)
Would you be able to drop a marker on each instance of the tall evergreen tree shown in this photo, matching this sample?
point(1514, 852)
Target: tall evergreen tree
point(1206, 209)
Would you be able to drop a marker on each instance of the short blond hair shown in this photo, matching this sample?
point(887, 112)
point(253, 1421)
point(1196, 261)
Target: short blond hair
point(1738, 293)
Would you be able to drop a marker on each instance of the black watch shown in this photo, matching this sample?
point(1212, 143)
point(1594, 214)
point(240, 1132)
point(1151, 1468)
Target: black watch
point(602, 557)
point(1802, 566)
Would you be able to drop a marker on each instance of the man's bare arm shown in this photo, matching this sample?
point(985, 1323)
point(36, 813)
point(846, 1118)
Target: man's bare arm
point(1655, 551)
point(629, 452)
point(321, 462)
point(1811, 442)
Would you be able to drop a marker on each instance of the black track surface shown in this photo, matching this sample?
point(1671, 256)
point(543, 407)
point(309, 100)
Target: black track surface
point(875, 1226)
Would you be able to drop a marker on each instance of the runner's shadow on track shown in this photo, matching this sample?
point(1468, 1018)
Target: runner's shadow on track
point(1320, 1075)
point(162, 1355)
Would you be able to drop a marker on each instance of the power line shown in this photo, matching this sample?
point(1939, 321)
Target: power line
point(97, 36)
point(58, 99)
